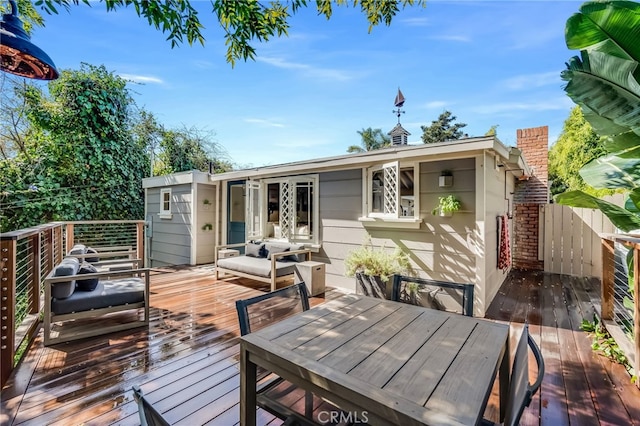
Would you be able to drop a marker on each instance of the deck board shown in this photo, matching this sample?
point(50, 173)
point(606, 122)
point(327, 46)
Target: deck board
point(187, 360)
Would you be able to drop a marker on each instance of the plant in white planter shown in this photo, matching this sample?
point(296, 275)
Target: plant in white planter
point(373, 269)
point(446, 206)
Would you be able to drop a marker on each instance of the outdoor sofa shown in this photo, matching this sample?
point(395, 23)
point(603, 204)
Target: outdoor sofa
point(79, 296)
point(272, 262)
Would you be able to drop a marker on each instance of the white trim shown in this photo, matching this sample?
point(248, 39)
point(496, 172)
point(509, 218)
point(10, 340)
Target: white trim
point(368, 190)
point(194, 221)
point(408, 223)
point(165, 213)
point(463, 148)
point(192, 176)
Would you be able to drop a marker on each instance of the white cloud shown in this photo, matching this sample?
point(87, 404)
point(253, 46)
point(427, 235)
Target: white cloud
point(142, 78)
point(528, 81)
point(325, 73)
point(435, 104)
point(561, 103)
point(263, 122)
point(459, 38)
point(415, 22)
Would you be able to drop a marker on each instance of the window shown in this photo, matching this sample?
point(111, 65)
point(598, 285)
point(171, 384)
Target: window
point(392, 191)
point(284, 209)
point(165, 203)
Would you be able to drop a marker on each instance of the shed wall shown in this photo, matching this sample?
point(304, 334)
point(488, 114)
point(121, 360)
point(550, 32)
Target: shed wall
point(171, 240)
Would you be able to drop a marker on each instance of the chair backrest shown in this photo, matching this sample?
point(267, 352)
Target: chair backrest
point(260, 311)
point(149, 416)
point(520, 390)
point(441, 295)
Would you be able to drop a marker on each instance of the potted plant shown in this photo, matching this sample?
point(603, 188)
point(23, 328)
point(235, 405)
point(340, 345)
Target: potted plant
point(446, 206)
point(373, 269)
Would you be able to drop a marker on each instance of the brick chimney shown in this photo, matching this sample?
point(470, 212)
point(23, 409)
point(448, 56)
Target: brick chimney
point(529, 197)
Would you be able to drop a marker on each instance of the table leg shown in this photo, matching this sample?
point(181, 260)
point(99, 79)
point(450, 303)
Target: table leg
point(248, 379)
point(505, 379)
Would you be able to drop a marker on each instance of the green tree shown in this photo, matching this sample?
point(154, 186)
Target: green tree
point(243, 21)
point(80, 160)
point(190, 149)
point(577, 145)
point(443, 129)
point(371, 139)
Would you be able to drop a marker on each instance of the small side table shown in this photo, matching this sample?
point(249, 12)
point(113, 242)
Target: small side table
point(312, 274)
point(226, 253)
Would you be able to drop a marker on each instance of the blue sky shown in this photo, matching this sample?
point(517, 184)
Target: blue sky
point(307, 95)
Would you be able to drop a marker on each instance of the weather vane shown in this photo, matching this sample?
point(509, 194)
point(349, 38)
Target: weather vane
point(398, 103)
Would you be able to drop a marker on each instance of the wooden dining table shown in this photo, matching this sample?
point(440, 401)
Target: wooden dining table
point(383, 362)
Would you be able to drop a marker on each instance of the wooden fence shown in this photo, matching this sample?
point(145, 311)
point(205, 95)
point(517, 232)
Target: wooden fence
point(571, 244)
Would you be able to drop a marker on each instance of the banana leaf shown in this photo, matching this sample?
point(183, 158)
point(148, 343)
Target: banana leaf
point(633, 201)
point(607, 86)
point(613, 27)
point(625, 144)
point(612, 172)
point(621, 218)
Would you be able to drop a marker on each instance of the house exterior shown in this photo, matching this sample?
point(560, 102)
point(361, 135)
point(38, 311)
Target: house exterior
point(334, 205)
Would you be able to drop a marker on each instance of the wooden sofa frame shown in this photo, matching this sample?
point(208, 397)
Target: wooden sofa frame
point(273, 280)
point(92, 329)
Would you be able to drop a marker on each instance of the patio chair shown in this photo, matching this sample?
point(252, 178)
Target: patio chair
point(149, 416)
point(263, 310)
point(520, 390)
point(440, 295)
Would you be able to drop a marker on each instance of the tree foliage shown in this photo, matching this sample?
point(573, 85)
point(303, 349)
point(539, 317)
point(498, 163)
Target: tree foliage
point(577, 145)
point(371, 139)
point(443, 129)
point(79, 161)
point(243, 21)
point(190, 149)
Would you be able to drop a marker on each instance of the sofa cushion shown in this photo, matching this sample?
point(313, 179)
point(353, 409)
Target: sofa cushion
point(69, 266)
point(78, 249)
point(93, 259)
point(256, 266)
point(107, 293)
point(301, 257)
point(272, 248)
point(254, 250)
point(90, 283)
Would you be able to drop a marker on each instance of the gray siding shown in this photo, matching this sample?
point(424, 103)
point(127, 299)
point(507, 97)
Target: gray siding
point(442, 248)
point(171, 240)
point(205, 238)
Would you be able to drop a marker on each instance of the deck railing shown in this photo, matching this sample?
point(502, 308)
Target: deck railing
point(620, 302)
point(26, 258)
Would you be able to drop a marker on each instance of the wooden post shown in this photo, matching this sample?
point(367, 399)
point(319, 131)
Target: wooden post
point(69, 234)
point(57, 243)
point(7, 303)
point(608, 269)
point(34, 285)
point(636, 310)
point(140, 241)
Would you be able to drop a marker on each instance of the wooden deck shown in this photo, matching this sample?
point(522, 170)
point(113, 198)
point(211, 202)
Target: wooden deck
point(187, 361)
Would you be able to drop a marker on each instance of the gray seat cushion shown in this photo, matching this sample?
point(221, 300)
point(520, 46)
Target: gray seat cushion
point(78, 249)
point(256, 266)
point(68, 266)
point(107, 293)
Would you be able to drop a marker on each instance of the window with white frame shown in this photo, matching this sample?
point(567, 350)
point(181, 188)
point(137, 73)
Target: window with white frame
point(392, 190)
point(284, 209)
point(165, 203)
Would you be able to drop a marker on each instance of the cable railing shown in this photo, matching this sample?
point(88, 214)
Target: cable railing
point(620, 300)
point(27, 256)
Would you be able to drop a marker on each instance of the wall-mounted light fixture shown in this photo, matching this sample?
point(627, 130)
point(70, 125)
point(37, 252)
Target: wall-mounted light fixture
point(18, 55)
